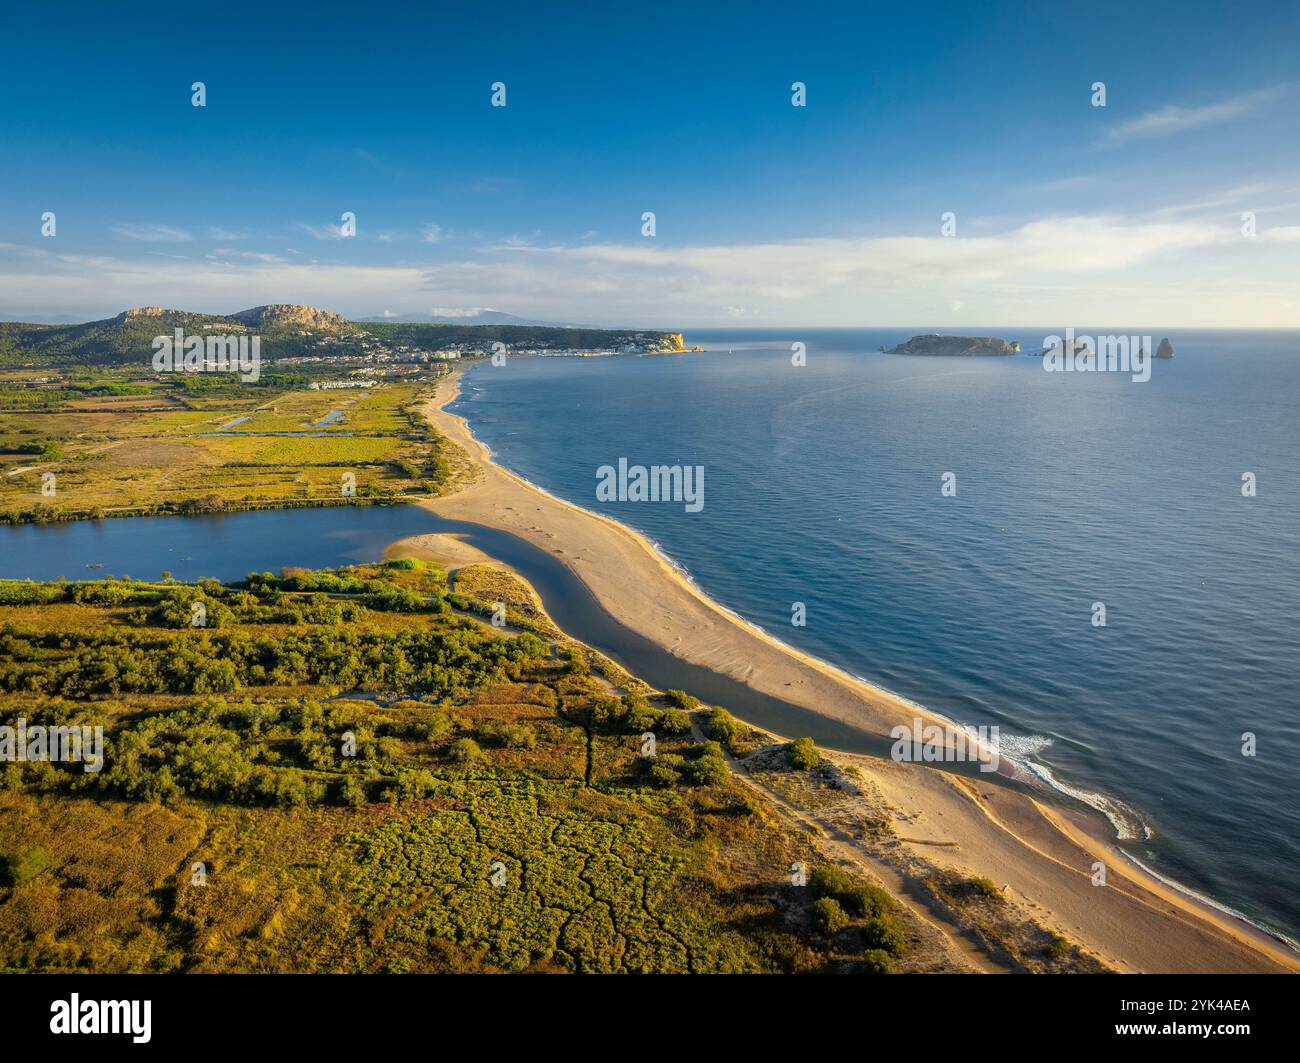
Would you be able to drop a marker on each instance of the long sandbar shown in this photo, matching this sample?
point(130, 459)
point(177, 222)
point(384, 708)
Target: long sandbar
point(1043, 854)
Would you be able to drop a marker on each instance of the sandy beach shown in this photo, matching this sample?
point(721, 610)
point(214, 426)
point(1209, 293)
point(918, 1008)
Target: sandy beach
point(1042, 851)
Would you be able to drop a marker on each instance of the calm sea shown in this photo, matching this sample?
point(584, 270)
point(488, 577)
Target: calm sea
point(823, 486)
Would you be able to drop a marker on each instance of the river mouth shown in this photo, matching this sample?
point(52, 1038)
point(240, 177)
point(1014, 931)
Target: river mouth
point(228, 547)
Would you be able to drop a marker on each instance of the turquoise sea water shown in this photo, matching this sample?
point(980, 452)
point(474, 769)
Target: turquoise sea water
point(823, 486)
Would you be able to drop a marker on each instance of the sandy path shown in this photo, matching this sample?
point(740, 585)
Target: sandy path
point(1045, 856)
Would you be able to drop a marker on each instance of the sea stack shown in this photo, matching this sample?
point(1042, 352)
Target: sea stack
point(1166, 349)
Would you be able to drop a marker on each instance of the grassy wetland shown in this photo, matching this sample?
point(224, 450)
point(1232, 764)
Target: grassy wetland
point(105, 443)
point(487, 800)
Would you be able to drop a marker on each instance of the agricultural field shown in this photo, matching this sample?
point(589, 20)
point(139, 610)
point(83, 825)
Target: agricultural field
point(484, 800)
point(109, 445)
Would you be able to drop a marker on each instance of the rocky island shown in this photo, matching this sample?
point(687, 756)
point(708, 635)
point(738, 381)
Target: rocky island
point(955, 345)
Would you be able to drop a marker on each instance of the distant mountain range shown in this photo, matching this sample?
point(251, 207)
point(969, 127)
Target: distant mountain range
point(476, 315)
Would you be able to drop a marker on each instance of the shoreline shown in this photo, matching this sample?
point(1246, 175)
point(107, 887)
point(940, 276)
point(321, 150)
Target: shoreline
point(1145, 922)
point(681, 578)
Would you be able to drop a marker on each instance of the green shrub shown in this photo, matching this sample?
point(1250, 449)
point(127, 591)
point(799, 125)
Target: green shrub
point(725, 728)
point(876, 961)
point(17, 869)
point(885, 932)
point(1057, 948)
point(828, 916)
point(682, 700)
point(437, 727)
point(508, 735)
point(465, 751)
point(350, 792)
point(829, 881)
point(860, 899)
point(674, 722)
point(578, 664)
point(639, 715)
point(709, 770)
point(664, 776)
point(869, 901)
point(802, 755)
point(985, 887)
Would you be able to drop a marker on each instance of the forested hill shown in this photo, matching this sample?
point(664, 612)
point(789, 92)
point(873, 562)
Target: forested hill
point(434, 336)
point(286, 330)
point(129, 336)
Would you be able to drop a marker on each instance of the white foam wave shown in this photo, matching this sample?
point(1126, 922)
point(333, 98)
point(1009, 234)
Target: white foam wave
point(1187, 891)
point(1019, 750)
point(1129, 826)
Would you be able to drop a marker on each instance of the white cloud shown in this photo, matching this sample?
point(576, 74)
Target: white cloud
point(1173, 119)
point(1281, 234)
point(431, 233)
point(322, 232)
point(458, 311)
point(158, 234)
point(1161, 268)
point(250, 256)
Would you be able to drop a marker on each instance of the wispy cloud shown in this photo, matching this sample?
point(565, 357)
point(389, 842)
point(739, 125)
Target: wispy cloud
point(431, 233)
point(322, 232)
point(227, 253)
point(1174, 119)
point(1281, 234)
point(158, 234)
point(1058, 268)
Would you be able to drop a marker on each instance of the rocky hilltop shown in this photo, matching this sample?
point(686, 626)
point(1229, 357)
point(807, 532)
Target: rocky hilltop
point(282, 315)
point(148, 311)
point(955, 345)
point(290, 314)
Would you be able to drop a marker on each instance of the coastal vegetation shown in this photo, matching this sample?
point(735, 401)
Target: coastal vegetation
point(475, 803)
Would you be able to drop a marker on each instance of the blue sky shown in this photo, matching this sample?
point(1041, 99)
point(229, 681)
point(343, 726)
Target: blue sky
point(766, 213)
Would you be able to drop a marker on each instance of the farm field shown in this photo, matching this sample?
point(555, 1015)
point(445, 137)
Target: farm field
point(148, 447)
